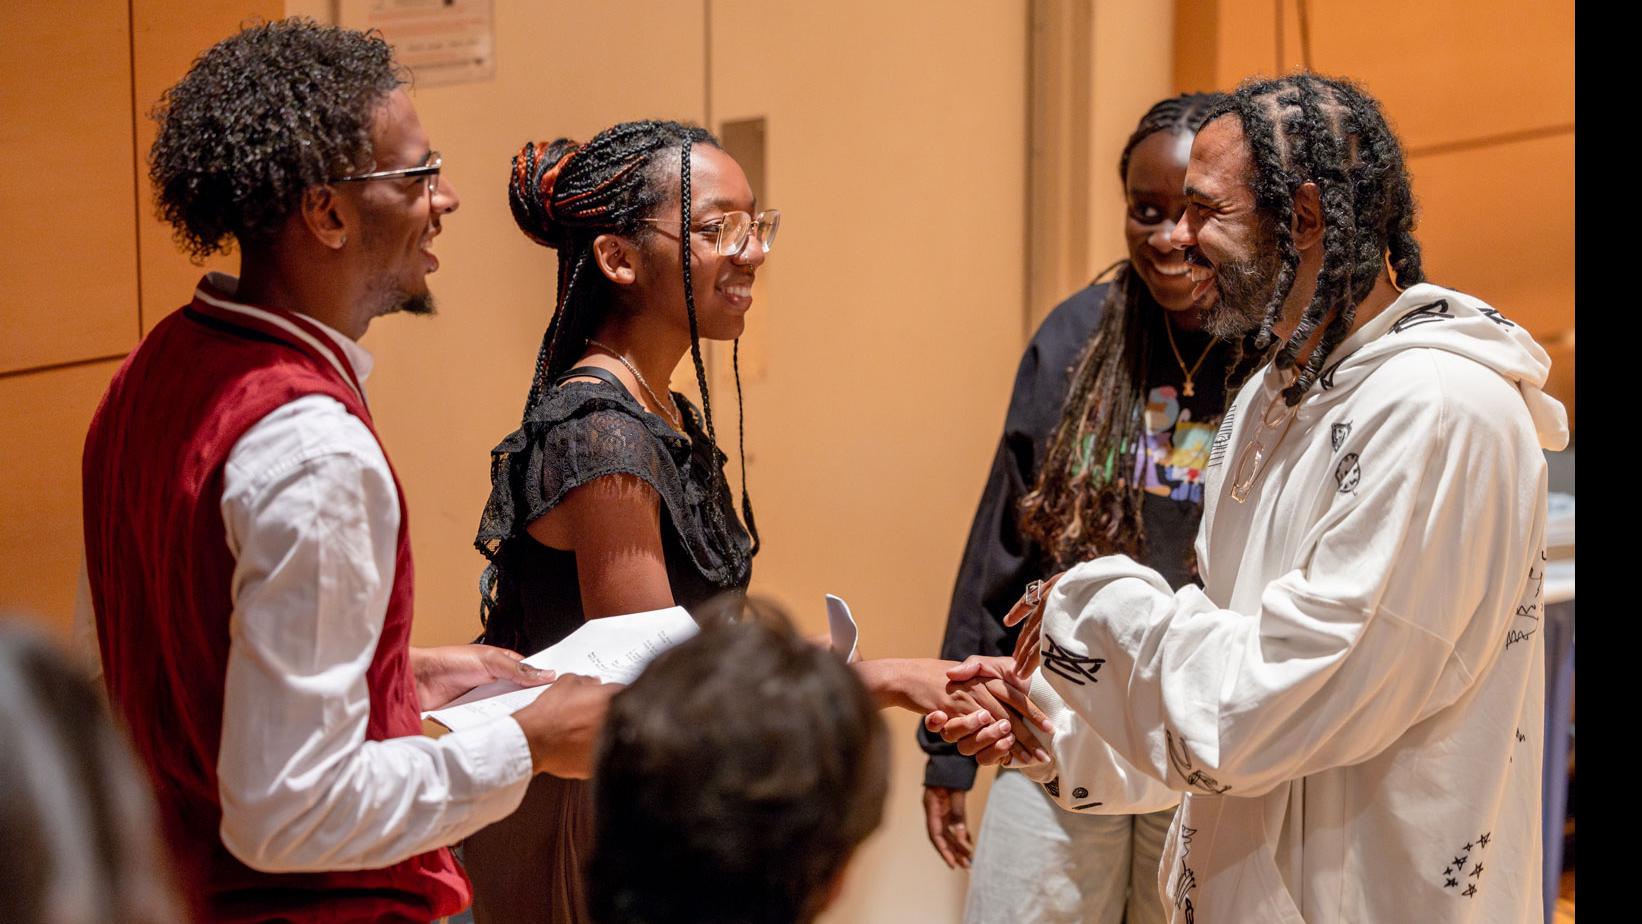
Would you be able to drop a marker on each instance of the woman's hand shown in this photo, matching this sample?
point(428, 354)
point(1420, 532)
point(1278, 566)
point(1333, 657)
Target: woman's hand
point(446, 672)
point(948, 825)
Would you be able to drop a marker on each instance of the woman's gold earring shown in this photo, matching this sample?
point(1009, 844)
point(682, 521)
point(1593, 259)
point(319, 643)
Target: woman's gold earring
point(344, 241)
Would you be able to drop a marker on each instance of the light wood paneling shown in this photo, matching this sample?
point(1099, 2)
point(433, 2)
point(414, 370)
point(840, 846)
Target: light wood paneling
point(65, 143)
point(1453, 71)
point(892, 310)
point(43, 419)
point(1498, 222)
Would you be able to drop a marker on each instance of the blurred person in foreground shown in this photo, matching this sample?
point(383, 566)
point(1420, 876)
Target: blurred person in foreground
point(708, 808)
point(248, 550)
point(1344, 701)
point(81, 841)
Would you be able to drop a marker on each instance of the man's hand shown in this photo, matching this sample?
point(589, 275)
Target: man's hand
point(921, 685)
point(562, 725)
point(446, 672)
point(975, 733)
point(948, 825)
point(1028, 647)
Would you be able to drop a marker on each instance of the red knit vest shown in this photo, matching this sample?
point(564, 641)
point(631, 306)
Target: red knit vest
point(160, 571)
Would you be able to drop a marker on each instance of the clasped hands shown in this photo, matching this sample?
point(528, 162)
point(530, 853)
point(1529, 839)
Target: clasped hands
point(979, 734)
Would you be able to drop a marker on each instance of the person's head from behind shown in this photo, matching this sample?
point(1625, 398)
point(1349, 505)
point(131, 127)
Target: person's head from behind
point(298, 142)
point(735, 779)
point(1299, 203)
point(81, 839)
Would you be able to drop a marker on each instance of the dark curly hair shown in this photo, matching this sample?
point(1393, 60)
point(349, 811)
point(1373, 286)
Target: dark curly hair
point(260, 117)
point(1327, 130)
point(1085, 501)
point(706, 806)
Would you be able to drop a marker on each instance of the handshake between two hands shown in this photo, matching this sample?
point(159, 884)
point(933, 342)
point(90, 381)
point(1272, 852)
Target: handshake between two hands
point(999, 731)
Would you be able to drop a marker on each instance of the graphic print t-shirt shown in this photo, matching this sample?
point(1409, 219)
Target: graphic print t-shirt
point(1179, 431)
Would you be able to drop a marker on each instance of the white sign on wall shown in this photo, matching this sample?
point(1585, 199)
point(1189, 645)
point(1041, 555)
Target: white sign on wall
point(441, 41)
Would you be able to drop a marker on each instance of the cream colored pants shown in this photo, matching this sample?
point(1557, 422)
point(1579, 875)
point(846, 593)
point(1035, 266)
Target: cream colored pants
point(1037, 864)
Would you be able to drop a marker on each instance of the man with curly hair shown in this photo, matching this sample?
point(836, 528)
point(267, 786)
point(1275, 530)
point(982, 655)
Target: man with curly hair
point(248, 554)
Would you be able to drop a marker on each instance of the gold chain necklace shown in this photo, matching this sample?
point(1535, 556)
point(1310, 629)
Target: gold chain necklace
point(1168, 328)
point(673, 418)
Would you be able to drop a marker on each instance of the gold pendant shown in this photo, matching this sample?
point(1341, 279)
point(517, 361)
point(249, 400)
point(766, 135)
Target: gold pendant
point(1189, 390)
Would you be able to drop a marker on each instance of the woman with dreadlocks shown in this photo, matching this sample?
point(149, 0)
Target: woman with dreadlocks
point(611, 497)
point(1107, 436)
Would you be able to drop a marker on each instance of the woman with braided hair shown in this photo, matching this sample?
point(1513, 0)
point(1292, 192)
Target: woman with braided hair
point(611, 497)
point(1115, 406)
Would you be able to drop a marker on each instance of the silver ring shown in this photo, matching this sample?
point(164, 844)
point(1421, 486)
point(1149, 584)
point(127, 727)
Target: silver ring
point(1034, 593)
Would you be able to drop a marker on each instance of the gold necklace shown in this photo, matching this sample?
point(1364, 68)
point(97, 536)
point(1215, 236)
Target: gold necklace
point(1168, 328)
point(673, 418)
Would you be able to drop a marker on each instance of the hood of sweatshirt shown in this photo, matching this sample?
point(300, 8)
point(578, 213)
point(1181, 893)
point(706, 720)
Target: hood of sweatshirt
point(1430, 316)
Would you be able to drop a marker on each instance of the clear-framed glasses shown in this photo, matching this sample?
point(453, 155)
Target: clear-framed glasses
point(430, 169)
point(734, 229)
point(1251, 461)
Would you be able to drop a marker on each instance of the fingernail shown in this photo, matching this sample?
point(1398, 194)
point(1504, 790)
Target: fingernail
point(1041, 755)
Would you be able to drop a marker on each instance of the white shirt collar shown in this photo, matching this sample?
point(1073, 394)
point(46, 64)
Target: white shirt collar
point(359, 358)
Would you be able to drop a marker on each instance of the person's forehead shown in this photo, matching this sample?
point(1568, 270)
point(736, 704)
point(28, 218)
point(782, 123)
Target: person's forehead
point(397, 136)
point(716, 180)
point(1220, 156)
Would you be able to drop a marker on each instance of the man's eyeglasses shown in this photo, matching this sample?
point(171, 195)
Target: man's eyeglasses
point(430, 170)
point(735, 229)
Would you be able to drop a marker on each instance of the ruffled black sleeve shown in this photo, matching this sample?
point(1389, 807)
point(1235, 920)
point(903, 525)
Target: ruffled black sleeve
point(587, 430)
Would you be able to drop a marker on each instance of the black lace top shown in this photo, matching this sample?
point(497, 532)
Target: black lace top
point(580, 431)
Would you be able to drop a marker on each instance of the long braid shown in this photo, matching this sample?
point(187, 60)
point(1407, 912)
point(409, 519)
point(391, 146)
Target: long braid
point(1324, 158)
point(1275, 197)
point(689, 289)
point(1309, 128)
point(741, 443)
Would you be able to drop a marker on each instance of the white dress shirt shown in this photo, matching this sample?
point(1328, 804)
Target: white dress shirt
point(312, 518)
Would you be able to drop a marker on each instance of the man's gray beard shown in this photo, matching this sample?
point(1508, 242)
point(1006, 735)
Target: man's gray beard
point(1245, 289)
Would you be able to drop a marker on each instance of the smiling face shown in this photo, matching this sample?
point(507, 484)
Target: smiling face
point(723, 285)
point(1228, 242)
point(399, 217)
point(1157, 174)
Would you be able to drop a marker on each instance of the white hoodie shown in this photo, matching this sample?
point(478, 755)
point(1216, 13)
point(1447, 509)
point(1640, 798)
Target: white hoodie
point(1354, 702)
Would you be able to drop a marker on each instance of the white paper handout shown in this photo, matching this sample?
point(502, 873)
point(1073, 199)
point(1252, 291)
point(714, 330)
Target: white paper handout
point(845, 633)
point(614, 649)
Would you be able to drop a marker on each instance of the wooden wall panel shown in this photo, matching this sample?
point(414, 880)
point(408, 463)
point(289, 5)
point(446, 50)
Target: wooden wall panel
point(892, 312)
point(1499, 222)
point(43, 419)
point(1453, 71)
point(65, 143)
